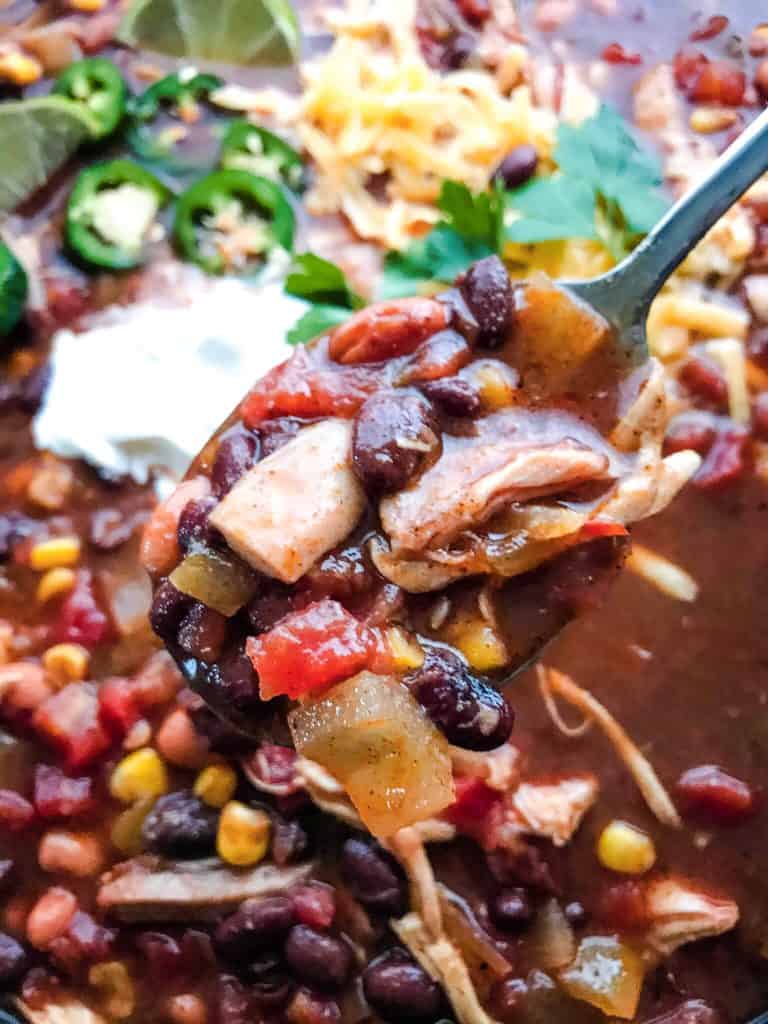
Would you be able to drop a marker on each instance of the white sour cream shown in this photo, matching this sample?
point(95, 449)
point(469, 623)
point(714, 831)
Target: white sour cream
point(143, 388)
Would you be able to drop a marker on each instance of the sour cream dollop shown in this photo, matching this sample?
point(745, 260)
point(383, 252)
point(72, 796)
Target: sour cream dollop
point(141, 390)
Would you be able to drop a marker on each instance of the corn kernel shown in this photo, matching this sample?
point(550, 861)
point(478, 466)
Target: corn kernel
point(243, 837)
point(216, 784)
point(55, 583)
point(139, 775)
point(406, 652)
point(482, 646)
point(706, 120)
point(624, 848)
point(20, 69)
point(118, 993)
point(125, 834)
point(55, 553)
point(66, 663)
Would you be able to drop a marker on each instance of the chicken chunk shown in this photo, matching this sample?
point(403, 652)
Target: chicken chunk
point(680, 913)
point(296, 504)
point(551, 810)
point(516, 456)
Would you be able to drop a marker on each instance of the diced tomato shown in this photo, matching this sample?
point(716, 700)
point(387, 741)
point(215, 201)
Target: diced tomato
point(16, 813)
point(59, 797)
point(310, 650)
point(709, 792)
point(602, 528)
point(726, 461)
point(614, 53)
point(80, 619)
point(118, 709)
point(477, 810)
point(275, 766)
point(623, 905)
point(69, 721)
point(303, 387)
point(706, 81)
point(315, 905)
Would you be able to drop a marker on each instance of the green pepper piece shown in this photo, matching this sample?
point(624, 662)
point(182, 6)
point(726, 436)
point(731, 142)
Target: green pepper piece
point(13, 290)
point(181, 92)
point(109, 212)
point(97, 85)
point(249, 147)
point(226, 204)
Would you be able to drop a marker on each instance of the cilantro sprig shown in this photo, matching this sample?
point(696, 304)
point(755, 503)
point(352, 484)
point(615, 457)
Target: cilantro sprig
point(325, 287)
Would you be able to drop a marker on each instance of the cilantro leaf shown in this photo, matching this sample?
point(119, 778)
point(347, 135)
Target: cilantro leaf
point(316, 320)
point(441, 256)
point(477, 218)
point(321, 282)
point(552, 209)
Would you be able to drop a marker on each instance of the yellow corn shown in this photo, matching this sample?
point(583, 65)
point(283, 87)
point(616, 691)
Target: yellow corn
point(55, 553)
point(139, 775)
point(624, 848)
point(406, 652)
point(482, 646)
point(20, 68)
point(706, 120)
point(54, 583)
point(216, 784)
point(243, 837)
point(126, 828)
point(497, 387)
point(116, 986)
point(66, 663)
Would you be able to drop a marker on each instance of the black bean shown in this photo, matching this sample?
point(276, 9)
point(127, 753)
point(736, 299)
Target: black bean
point(576, 914)
point(233, 1001)
point(257, 925)
point(169, 606)
point(13, 960)
point(398, 989)
point(273, 601)
point(195, 530)
point(289, 842)
point(393, 434)
point(454, 395)
point(508, 999)
point(468, 710)
point(318, 958)
point(342, 573)
point(511, 908)
point(275, 433)
point(202, 632)
point(310, 1008)
point(461, 318)
point(180, 825)
point(518, 166)
point(488, 290)
point(374, 877)
point(14, 527)
point(234, 682)
point(238, 450)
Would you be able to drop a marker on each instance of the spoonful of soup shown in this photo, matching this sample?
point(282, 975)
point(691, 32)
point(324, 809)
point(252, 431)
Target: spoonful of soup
point(394, 521)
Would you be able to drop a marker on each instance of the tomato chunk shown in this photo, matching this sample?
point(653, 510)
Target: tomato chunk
point(477, 811)
point(305, 388)
point(118, 709)
point(81, 620)
point(311, 649)
point(709, 792)
point(69, 721)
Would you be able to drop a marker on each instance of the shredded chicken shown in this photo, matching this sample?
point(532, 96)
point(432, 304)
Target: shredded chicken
point(66, 1010)
point(443, 962)
point(408, 846)
point(148, 889)
point(327, 793)
point(499, 768)
point(640, 768)
point(553, 810)
point(681, 913)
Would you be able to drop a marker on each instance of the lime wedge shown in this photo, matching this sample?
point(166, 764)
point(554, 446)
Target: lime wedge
point(36, 137)
point(251, 32)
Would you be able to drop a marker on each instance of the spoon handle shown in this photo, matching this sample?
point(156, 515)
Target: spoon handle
point(626, 292)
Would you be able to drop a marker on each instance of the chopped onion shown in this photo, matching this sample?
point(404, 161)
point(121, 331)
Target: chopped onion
point(552, 942)
point(607, 974)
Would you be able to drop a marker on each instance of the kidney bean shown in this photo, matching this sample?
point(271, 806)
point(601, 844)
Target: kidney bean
point(50, 916)
point(180, 825)
point(726, 461)
point(275, 433)
point(315, 905)
point(238, 451)
point(310, 1008)
point(398, 989)
point(71, 853)
point(623, 905)
point(453, 395)
point(705, 379)
point(442, 355)
point(510, 908)
point(469, 711)
point(194, 530)
point(257, 925)
point(694, 429)
point(289, 842)
point(709, 792)
point(374, 877)
point(518, 166)
point(202, 632)
point(317, 958)
point(179, 742)
point(387, 329)
point(488, 291)
point(14, 961)
point(394, 433)
point(342, 573)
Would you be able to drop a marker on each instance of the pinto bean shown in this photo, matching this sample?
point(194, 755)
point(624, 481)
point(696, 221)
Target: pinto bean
point(50, 916)
point(71, 853)
point(387, 329)
point(159, 550)
point(179, 742)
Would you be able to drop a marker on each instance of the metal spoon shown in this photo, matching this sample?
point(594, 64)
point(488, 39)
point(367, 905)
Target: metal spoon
point(623, 296)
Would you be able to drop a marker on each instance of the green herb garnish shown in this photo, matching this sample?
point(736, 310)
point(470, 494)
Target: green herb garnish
point(325, 286)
